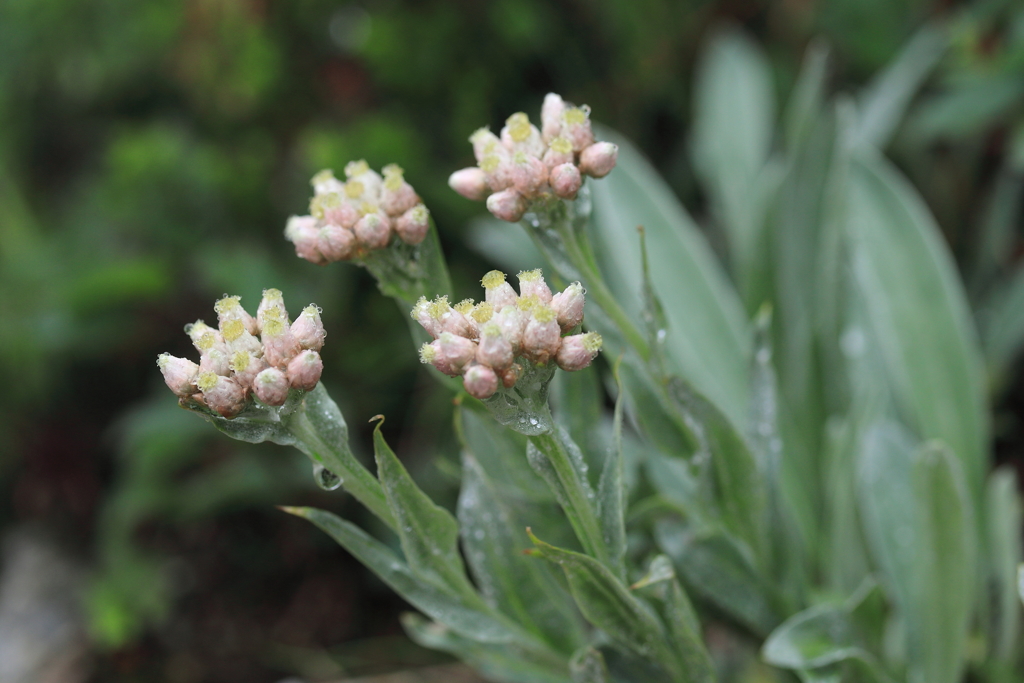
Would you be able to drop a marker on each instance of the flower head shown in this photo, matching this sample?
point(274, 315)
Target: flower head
point(481, 342)
point(265, 356)
point(525, 164)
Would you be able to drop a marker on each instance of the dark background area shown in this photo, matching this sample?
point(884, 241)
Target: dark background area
point(150, 154)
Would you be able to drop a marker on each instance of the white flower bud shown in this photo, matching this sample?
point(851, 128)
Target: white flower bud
point(304, 370)
point(542, 336)
point(271, 387)
point(204, 337)
point(302, 232)
point(508, 205)
point(519, 135)
point(335, 242)
point(498, 292)
point(179, 374)
point(245, 366)
point(373, 231)
point(512, 323)
point(396, 196)
point(568, 306)
point(471, 183)
point(222, 394)
point(494, 350)
point(369, 180)
point(308, 329)
point(551, 117)
point(531, 283)
point(484, 143)
point(216, 360)
point(577, 351)
point(599, 159)
point(324, 182)
point(566, 181)
point(412, 225)
point(480, 381)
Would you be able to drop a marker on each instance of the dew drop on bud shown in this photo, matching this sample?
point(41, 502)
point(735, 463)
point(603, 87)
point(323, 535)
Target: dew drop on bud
point(325, 479)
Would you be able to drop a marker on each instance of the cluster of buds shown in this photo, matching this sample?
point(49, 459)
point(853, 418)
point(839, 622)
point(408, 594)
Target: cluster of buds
point(524, 164)
point(266, 356)
point(349, 219)
point(487, 343)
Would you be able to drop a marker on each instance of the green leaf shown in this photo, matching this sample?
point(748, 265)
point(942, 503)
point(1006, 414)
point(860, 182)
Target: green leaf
point(611, 493)
point(968, 107)
point(823, 636)
point(1003, 524)
point(406, 272)
point(807, 100)
point(998, 229)
point(719, 571)
point(462, 615)
point(1002, 326)
point(920, 528)
point(733, 122)
point(587, 666)
point(884, 101)
point(607, 604)
point(687, 277)
point(501, 662)
point(428, 533)
point(521, 588)
point(918, 312)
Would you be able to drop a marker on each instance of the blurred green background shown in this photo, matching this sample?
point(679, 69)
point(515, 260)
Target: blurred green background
point(150, 154)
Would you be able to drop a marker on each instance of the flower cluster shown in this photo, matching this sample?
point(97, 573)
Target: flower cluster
point(524, 164)
point(482, 341)
point(266, 355)
point(349, 219)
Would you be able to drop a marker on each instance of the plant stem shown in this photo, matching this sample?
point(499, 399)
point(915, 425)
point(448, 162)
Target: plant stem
point(578, 506)
point(355, 478)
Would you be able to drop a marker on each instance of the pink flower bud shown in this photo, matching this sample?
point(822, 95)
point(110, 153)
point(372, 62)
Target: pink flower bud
point(431, 353)
point(412, 225)
point(551, 117)
point(454, 351)
point(203, 336)
point(245, 366)
point(576, 127)
point(599, 159)
point(559, 152)
point(519, 135)
point(542, 336)
point(222, 394)
point(271, 387)
point(511, 375)
point(531, 283)
point(308, 329)
point(421, 313)
point(302, 232)
point(494, 350)
point(566, 181)
point(229, 309)
point(512, 323)
point(344, 214)
point(498, 292)
point(304, 370)
point(373, 231)
point(508, 205)
point(529, 174)
point(272, 305)
point(279, 346)
point(396, 196)
point(485, 143)
point(471, 183)
point(216, 360)
point(179, 374)
point(480, 381)
point(568, 306)
point(577, 351)
point(335, 242)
